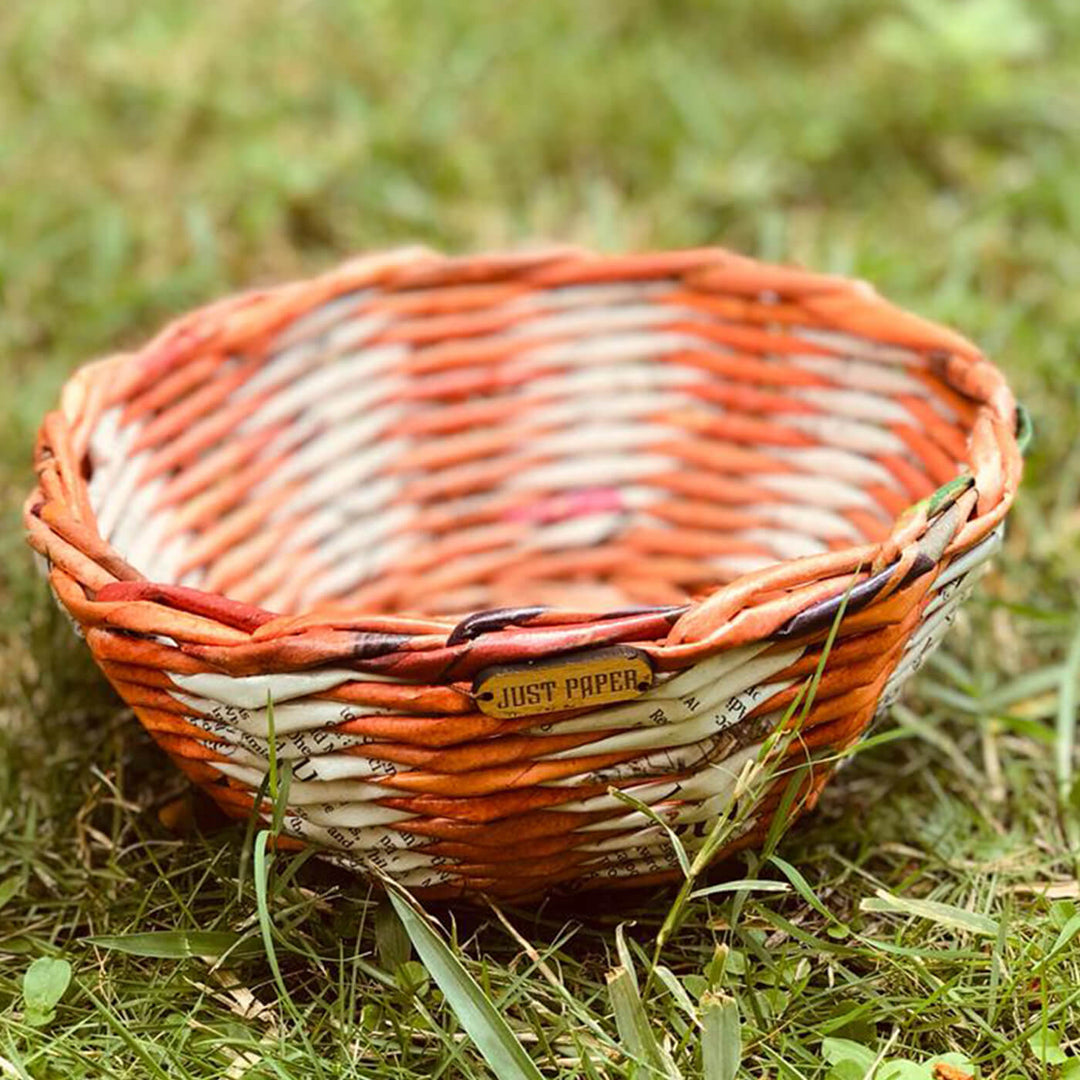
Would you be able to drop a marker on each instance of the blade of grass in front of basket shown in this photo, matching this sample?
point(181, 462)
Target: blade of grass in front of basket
point(482, 1022)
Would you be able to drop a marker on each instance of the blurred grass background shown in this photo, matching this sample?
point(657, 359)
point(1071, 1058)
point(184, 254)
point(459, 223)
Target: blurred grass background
point(154, 155)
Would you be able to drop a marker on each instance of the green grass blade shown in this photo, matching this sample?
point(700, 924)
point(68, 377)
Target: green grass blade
point(682, 999)
point(721, 1038)
point(1068, 932)
point(1066, 719)
point(635, 1031)
point(262, 860)
point(254, 820)
point(478, 1016)
point(802, 886)
point(625, 959)
point(392, 944)
point(147, 1065)
point(180, 944)
point(783, 814)
point(747, 884)
point(677, 845)
point(262, 901)
point(944, 914)
point(8, 889)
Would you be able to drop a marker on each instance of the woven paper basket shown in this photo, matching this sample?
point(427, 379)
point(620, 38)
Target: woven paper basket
point(505, 538)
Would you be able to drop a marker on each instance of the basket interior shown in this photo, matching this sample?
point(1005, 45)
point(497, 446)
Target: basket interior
point(446, 450)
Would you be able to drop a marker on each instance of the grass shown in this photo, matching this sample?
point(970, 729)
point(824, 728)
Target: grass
point(155, 155)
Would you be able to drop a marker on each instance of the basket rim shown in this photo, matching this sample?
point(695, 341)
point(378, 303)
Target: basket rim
point(103, 593)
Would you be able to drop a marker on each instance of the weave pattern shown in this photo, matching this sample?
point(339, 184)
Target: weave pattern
point(349, 496)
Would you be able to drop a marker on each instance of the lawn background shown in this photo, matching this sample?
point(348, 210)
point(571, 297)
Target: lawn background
point(154, 155)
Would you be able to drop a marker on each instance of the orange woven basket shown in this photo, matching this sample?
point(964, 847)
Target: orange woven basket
point(478, 545)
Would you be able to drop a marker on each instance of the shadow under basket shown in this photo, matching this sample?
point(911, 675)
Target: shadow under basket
point(515, 562)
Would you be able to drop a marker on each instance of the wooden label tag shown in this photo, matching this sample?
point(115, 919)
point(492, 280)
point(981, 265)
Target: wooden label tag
point(574, 681)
